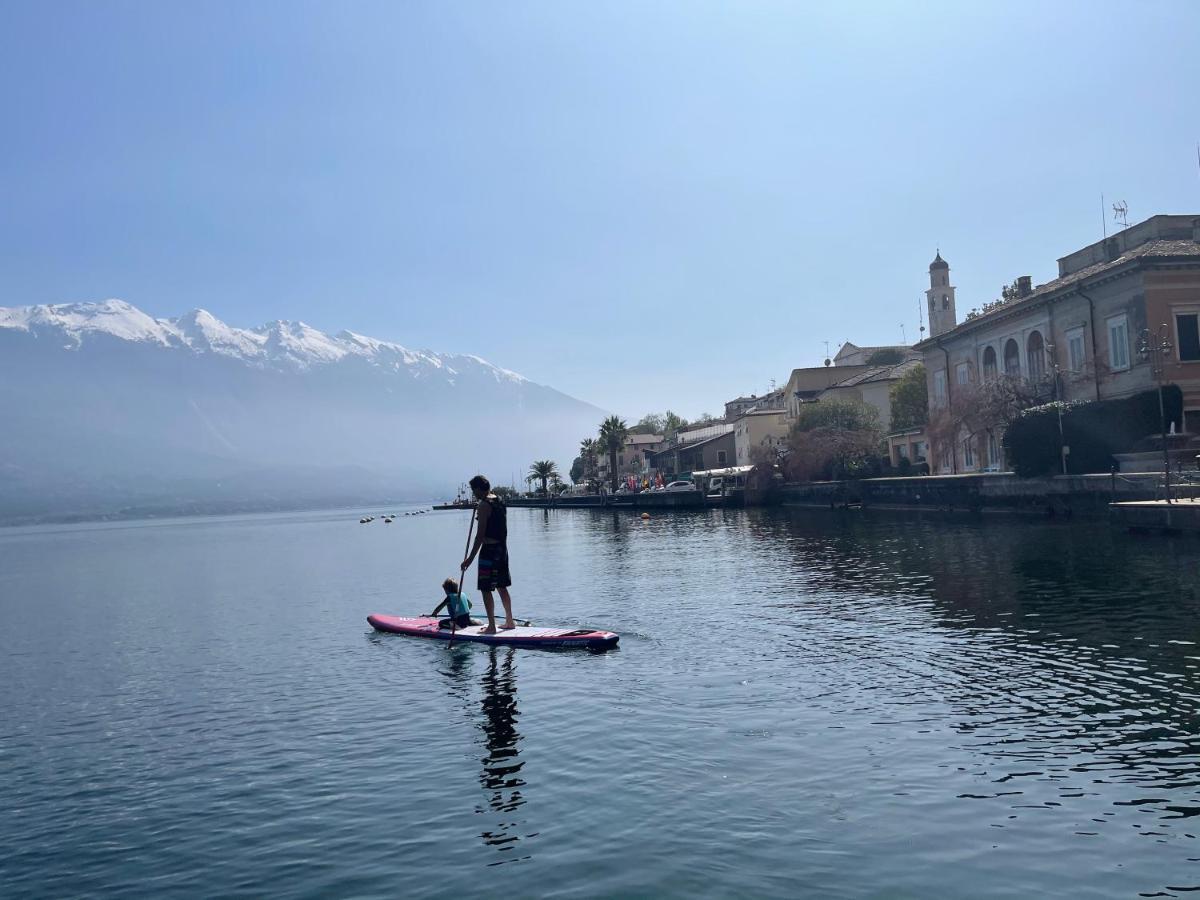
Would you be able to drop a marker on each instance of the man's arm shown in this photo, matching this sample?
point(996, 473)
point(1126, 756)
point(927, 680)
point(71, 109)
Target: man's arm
point(483, 511)
point(438, 608)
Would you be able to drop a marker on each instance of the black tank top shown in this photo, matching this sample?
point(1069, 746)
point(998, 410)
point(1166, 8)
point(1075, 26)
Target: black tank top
point(497, 523)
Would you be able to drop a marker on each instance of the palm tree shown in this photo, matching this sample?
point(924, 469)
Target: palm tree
point(613, 432)
point(543, 469)
point(587, 452)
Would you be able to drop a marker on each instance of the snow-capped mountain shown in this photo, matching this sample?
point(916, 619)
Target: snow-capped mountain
point(103, 398)
point(280, 344)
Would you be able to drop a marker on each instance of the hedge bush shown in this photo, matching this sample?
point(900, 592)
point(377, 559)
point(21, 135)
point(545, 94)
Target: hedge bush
point(1094, 430)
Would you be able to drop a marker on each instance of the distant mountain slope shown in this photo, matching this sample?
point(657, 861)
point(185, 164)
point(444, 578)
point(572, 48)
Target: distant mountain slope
point(103, 405)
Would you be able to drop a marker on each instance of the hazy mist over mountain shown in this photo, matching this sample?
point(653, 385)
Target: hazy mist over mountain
point(104, 409)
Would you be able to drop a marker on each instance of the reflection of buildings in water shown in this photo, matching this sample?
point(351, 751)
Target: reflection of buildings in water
point(1039, 676)
point(500, 776)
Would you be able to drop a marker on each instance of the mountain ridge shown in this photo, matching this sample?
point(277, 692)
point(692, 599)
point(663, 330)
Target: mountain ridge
point(105, 404)
point(279, 341)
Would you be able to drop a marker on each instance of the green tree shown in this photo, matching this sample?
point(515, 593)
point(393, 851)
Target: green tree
point(651, 423)
point(705, 419)
point(587, 453)
point(843, 415)
point(577, 472)
point(834, 439)
point(613, 432)
point(543, 470)
point(886, 356)
point(910, 399)
point(672, 423)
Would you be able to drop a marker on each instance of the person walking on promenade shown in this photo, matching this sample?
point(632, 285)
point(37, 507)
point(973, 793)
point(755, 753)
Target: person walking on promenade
point(491, 546)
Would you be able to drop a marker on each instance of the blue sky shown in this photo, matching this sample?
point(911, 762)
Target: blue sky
point(646, 205)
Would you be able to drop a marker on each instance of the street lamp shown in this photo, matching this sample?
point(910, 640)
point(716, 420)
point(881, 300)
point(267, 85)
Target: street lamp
point(1156, 349)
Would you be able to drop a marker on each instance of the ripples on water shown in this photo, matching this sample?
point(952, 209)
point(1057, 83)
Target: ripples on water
point(803, 704)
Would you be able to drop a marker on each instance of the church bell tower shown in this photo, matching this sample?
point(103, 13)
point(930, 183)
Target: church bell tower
point(940, 295)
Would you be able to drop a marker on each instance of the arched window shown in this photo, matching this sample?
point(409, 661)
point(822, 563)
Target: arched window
point(1035, 355)
point(1012, 358)
point(989, 363)
point(945, 302)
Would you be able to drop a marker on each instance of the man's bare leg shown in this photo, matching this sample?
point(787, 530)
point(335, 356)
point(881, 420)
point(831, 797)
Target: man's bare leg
point(507, 601)
point(489, 606)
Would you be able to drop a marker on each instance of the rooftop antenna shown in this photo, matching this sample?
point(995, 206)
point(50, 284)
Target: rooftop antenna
point(1103, 217)
point(921, 319)
point(1121, 213)
point(903, 337)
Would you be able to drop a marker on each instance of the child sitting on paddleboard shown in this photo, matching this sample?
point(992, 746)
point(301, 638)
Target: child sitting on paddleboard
point(457, 606)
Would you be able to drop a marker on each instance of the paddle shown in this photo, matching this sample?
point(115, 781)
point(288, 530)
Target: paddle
point(462, 574)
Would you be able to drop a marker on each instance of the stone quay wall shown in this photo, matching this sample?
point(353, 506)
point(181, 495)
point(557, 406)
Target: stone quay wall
point(1087, 495)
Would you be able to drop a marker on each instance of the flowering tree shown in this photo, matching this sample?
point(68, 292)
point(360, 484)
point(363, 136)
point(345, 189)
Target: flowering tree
point(833, 439)
point(982, 407)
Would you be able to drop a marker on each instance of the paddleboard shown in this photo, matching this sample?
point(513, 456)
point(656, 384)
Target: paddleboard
point(521, 636)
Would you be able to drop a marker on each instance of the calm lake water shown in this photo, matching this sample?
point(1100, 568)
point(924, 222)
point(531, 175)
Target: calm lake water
point(804, 704)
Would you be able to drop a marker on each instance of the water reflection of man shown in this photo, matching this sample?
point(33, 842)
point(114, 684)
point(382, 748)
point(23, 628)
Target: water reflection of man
point(500, 775)
point(501, 766)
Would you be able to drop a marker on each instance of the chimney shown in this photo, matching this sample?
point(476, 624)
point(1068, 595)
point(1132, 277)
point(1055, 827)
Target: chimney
point(1024, 286)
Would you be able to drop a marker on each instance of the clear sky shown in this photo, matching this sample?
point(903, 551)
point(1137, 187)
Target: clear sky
point(646, 205)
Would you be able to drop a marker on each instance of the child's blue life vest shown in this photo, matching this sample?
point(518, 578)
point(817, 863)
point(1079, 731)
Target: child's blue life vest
point(457, 605)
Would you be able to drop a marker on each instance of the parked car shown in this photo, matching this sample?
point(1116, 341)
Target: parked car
point(681, 486)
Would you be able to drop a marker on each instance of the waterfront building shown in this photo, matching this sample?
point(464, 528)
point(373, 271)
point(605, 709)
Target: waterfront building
point(805, 385)
point(872, 387)
point(633, 459)
point(701, 432)
point(638, 449)
point(715, 451)
point(908, 445)
point(1073, 338)
point(852, 355)
point(741, 405)
point(758, 428)
point(848, 377)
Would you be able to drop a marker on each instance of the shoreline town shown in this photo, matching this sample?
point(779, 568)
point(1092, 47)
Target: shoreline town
point(1078, 396)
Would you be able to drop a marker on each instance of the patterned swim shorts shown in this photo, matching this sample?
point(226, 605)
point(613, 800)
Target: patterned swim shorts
point(493, 567)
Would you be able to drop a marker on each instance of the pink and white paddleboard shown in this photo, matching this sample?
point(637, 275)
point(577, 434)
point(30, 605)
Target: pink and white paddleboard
point(521, 636)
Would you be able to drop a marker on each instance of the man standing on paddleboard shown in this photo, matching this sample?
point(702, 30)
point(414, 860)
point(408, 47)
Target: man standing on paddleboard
point(491, 545)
